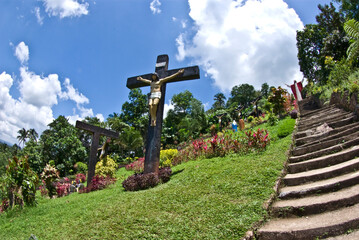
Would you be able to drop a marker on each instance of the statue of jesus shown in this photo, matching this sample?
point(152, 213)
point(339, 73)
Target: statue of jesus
point(155, 95)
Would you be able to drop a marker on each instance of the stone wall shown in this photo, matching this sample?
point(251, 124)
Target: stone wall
point(344, 101)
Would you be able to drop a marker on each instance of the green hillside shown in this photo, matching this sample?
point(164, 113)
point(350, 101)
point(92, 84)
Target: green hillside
point(218, 198)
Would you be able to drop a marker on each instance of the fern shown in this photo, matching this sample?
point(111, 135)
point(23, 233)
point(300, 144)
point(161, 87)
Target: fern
point(351, 27)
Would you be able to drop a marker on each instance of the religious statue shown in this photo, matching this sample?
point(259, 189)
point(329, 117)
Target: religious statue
point(104, 149)
point(155, 94)
point(296, 88)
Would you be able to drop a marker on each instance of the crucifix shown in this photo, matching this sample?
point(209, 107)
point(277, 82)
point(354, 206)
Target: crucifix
point(156, 102)
point(96, 133)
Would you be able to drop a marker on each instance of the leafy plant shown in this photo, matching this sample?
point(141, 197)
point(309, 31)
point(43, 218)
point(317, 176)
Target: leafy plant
point(20, 183)
point(50, 175)
point(80, 178)
point(137, 166)
point(81, 167)
point(98, 183)
point(144, 181)
point(106, 167)
point(166, 157)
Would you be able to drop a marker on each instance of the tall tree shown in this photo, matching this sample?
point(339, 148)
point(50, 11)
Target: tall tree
point(242, 95)
point(134, 109)
point(61, 143)
point(219, 101)
point(265, 90)
point(350, 8)
point(23, 135)
point(32, 134)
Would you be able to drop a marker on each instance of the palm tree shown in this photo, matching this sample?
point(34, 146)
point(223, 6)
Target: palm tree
point(23, 135)
point(130, 140)
point(351, 27)
point(32, 134)
point(219, 101)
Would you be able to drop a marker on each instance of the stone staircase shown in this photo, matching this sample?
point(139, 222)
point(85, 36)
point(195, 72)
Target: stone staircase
point(319, 195)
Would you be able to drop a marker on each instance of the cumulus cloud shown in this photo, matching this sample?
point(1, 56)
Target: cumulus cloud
point(244, 41)
point(65, 8)
point(38, 95)
point(22, 52)
point(155, 6)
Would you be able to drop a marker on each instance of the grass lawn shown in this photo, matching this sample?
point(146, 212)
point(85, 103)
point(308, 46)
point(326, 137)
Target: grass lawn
point(218, 198)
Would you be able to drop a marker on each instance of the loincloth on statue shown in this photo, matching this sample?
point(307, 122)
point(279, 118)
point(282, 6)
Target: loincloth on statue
point(154, 95)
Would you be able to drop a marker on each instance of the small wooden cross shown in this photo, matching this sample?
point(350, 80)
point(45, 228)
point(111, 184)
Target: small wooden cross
point(153, 146)
point(96, 133)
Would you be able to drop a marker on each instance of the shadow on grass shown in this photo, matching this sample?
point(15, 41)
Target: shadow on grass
point(177, 172)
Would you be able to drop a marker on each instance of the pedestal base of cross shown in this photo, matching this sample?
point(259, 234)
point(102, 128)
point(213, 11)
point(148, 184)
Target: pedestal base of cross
point(153, 146)
point(96, 133)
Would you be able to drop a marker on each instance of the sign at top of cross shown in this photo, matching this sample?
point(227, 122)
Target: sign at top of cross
point(156, 103)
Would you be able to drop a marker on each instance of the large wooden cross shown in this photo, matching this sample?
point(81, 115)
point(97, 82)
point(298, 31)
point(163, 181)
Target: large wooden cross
point(153, 146)
point(96, 133)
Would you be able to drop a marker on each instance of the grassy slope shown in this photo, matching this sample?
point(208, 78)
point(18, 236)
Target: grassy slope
point(217, 198)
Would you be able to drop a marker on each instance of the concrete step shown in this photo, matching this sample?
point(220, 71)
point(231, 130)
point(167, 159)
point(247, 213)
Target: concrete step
point(315, 112)
point(336, 136)
point(316, 204)
point(342, 143)
point(318, 187)
point(324, 161)
point(322, 225)
point(321, 173)
point(338, 121)
point(350, 235)
point(321, 117)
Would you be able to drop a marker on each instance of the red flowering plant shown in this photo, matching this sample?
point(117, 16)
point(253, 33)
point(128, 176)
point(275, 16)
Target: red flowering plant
point(98, 183)
point(137, 166)
point(257, 140)
point(80, 178)
point(63, 187)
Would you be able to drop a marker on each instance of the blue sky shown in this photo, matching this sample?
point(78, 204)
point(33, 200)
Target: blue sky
point(73, 57)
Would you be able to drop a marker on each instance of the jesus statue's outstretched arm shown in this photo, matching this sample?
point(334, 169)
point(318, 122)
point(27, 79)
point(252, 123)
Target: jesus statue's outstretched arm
point(163, 80)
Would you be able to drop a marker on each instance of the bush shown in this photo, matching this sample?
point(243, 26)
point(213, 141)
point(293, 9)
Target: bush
point(81, 167)
point(137, 166)
point(50, 175)
point(19, 184)
point(166, 157)
point(257, 140)
point(144, 181)
point(272, 119)
point(286, 127)
point(250, 119)
point(106, 167)
point(98, 183)
point(80, 178)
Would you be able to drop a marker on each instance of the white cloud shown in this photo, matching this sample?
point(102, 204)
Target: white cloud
point(155, 6)
point(73, 94)
point(37, 90)
point(39, 18)
point(22, 52)
point(244, 41)
point(38, 95)
point(65, 8)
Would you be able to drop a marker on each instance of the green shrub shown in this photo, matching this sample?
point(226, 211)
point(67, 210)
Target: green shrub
point(20, 183)
point(166, 157)
point(250, 119)
point(286, 127)
point(272, 119)
point(81, 167)
point(106, 167)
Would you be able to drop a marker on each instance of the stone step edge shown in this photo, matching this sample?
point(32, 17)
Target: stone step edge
point(311, 205)
point(324, 186)
point(322, 174)
point(324, 229)
point(332, 149)
point(342, 132)
point(324, 161)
